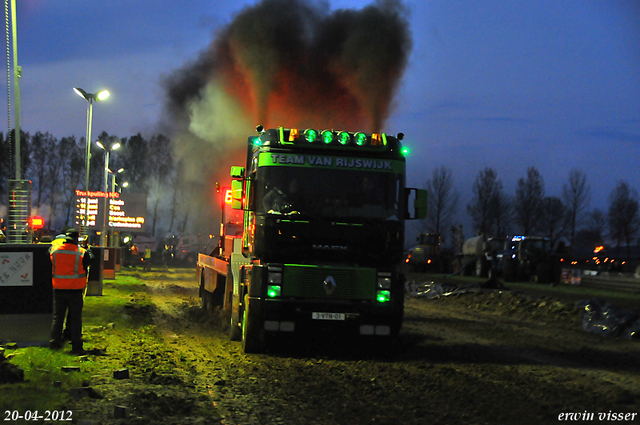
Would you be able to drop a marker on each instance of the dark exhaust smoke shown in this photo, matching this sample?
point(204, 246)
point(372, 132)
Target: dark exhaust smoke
point(290, 63)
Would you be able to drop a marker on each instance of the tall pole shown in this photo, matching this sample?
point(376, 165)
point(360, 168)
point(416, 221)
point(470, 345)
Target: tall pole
point(17, 71)
point(88, 162)
point(103, 234)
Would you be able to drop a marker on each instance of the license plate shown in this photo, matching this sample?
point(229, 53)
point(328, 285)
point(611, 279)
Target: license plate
point(327, 316)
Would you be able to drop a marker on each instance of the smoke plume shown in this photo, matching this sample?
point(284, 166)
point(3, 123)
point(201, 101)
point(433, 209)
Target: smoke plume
point(290, 63)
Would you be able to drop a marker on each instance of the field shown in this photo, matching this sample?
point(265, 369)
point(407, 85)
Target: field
point(514, 356)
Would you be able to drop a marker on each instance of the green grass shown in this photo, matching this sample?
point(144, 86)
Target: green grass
point(562, 291)
point(42, 366)
point(109, 308)
point(625, 299)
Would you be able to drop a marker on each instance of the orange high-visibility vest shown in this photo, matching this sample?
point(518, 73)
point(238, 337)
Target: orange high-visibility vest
point(68, 272)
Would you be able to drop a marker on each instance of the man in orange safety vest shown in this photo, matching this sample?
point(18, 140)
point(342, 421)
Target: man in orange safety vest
point(70, 265)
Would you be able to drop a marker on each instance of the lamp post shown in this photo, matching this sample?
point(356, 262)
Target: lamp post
point(112, 240)
point(113, 179)
point(115, 146)
point(89, 97)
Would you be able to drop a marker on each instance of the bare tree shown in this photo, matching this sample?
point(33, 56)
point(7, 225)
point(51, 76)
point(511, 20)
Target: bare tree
point(554, 218)
point(54, 188)
point(73, 174)
point(443, 199)
point(592, 235)
point(135, 154)
point(576, 195)
point(160, 166)
point(528, 201)
point(44, 148)
point(503, 212)
point(623, 217)
point(487, 202)
point(597, 222)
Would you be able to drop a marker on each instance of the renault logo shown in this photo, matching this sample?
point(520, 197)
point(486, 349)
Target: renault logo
point(329, 285)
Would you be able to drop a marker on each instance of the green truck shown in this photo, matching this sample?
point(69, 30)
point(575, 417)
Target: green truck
point(312, 237)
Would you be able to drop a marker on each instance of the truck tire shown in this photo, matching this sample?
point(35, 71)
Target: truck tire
point(204, 298)
point(478, 271)
point(235, 331)
point(252, 333)
point(510, 272)
point(543, 273)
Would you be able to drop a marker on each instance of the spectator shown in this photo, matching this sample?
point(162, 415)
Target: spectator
point(70, 265)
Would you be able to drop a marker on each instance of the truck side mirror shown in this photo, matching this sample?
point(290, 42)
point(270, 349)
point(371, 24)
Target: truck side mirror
point(415, 203)
point(237, 172)
point(236, 194)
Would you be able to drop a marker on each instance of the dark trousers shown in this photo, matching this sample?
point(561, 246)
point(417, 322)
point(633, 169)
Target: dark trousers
point(67, 302)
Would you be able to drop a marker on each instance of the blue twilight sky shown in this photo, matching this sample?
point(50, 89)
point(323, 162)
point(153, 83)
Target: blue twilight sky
point(544, 83)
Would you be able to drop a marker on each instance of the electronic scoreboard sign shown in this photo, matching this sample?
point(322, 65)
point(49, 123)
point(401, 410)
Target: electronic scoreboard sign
point(123, 211)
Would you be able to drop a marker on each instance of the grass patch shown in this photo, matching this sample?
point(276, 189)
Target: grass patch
point(124, 304)
point(562, 290)
point(583, 291)
point(117, 297)
point(42, 367)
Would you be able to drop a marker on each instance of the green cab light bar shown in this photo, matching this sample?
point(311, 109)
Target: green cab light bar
point(327, 137)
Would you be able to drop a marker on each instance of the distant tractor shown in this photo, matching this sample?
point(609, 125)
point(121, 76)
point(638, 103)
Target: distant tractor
point(529, 258)
point(426, 255)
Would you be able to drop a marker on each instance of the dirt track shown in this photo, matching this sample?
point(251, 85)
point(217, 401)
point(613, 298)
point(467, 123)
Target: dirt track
point(486, 358)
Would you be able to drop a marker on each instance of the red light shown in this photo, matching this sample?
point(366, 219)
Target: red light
point(37, 222)
point(227, 197)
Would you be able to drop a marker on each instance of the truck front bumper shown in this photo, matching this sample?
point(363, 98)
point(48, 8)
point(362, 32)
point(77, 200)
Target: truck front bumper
point(352, 317)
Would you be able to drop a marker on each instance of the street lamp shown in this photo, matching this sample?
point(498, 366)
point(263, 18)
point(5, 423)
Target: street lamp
point(115, 146)
point(113, 179)
point(113, 189)
point(89, 97)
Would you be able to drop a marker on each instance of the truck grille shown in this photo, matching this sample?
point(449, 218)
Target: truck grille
point(308, 281)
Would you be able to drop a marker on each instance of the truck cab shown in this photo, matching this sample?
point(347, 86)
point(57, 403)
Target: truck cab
point(321, 237)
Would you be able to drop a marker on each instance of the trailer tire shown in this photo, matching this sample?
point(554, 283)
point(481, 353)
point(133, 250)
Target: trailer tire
point(478, 270)
point(252, 333)
point(543, 273)
point(510, 272)
point(235, 332)
point(204, 298)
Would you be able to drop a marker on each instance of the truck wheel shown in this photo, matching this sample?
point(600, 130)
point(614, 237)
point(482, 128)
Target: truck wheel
point(252, 334)
point(543, 273)
point(204, 298)
point(479, 268)
point(235, 332)
point(510, 272)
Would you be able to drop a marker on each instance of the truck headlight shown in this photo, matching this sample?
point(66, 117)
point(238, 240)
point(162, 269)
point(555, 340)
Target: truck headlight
point(383, 296)
point(274, 291)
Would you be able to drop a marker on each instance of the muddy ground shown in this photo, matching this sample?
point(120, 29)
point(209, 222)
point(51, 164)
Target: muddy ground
point(476, 358)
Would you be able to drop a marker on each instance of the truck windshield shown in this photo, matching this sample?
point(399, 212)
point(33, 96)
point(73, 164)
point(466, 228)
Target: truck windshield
point(328, 193)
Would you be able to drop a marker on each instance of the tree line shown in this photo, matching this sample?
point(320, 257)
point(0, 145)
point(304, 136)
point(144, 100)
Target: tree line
point(56, 168)
point(495, 213)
